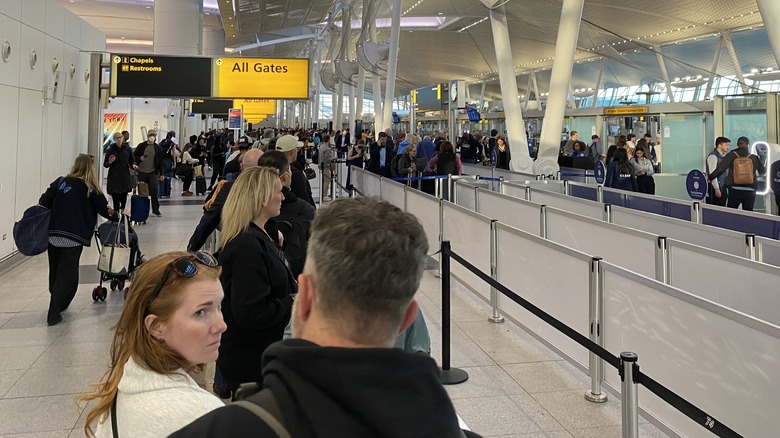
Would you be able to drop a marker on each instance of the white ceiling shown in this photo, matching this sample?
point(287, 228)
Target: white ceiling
point(438, 55)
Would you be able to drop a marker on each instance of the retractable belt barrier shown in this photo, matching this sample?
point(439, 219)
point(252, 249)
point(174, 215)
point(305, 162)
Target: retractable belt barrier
point(420, 178)
point(580, 175)
point(688, 409)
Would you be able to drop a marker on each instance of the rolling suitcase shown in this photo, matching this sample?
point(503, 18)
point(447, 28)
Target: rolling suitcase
point(200, 182)
point(165, 188)
point(139, 209)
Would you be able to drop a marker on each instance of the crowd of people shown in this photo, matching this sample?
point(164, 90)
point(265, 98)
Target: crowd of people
point(288, 309)
point(282, 308)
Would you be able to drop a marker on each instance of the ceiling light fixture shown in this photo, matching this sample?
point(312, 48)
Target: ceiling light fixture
point(473, 24)
point(129, 42)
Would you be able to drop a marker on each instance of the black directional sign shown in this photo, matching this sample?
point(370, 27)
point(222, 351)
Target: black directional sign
point(160, 76)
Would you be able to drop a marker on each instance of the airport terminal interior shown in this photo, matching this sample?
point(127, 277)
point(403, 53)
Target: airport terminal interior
point(576, 308)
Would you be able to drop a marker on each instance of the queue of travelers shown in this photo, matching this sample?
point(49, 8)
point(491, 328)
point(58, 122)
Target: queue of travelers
point(185, 310)
point(283, 267)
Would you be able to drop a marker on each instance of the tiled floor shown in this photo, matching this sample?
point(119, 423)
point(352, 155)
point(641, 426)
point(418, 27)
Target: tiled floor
point(517, 387)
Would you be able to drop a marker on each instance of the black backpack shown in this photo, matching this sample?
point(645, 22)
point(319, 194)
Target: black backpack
point(394, 167)
point(167, 147)
point(296, 230)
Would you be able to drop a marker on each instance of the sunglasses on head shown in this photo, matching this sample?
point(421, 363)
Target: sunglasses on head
point(185, 266)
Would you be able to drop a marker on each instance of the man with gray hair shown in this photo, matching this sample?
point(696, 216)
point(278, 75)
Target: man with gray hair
point(341, 377)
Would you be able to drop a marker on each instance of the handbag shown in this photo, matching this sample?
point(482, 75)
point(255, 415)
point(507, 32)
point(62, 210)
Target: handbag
point(31, 233)
point(309, 172)
point(183, 169)
point(115, 257)
point(143, 189)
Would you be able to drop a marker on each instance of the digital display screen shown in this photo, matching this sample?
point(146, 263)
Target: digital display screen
point(428, 98)
point(211, 106)
point(160, 76)
point(473, 113)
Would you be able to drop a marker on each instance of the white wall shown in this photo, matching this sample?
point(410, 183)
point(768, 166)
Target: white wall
point(41, 139)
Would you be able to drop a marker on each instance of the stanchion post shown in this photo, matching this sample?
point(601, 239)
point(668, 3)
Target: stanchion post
point(608, 213)
point(449, 375)
point(453, 195)
point(322, 187)
point(662, 260)
point(596, 309)
point(332, 187)
point(495, 296)
point(437, 185)
point(566, 187)
point(543, 221)
point(527, 193)
point(441, 233)
point(696, 212)
point(600, 193)
point(629, 394)
point(751, 248)
point(450, 188)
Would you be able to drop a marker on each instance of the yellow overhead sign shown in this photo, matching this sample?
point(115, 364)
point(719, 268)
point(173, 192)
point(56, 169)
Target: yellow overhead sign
point(256, 118)
point(262, 78)
point(625, 110)
point(256, 106)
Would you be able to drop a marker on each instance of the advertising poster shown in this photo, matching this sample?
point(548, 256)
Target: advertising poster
point(113, 122)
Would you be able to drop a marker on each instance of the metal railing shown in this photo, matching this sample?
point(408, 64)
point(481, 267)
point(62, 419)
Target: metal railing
point(627, 364)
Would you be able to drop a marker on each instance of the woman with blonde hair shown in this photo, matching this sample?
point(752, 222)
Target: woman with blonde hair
point(170, 325)
point(258, 284)
point(75, 201)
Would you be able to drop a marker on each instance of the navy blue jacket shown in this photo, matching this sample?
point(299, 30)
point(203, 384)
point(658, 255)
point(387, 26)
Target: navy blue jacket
point(74, 209)
point(616, 180)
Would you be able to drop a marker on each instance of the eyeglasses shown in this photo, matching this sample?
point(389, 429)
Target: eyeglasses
point(184, 267)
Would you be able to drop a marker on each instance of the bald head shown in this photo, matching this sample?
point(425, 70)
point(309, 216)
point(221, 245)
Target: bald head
point(250, 157)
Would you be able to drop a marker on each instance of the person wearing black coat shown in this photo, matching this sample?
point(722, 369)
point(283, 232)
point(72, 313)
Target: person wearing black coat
point(75, 201)
point(376, 151)
point(119, 162)
point(289, 145)
point(255, 278)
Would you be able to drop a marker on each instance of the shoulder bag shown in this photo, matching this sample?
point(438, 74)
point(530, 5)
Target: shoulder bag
point(115, 257)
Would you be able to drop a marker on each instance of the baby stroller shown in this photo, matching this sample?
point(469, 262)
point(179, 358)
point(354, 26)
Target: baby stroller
point(118, 258)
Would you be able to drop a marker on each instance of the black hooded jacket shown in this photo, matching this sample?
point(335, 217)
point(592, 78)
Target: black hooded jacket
point(342, 392)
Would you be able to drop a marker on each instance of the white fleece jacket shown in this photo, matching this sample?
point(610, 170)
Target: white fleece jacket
point(151, 405)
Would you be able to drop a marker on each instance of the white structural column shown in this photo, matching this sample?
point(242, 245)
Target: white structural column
point(392, 65)
point(177, 31)
point(515, 126)
point(726, 38)
point(339, 110)
point(597, 87)
point(351, 106)
point(375, 79)
point(317, 85)
point(664, 73)
point(713, 69)
point(177, 27)
point(565, 49)
point(361, 90)
point(770, 13)
point(213, 41)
